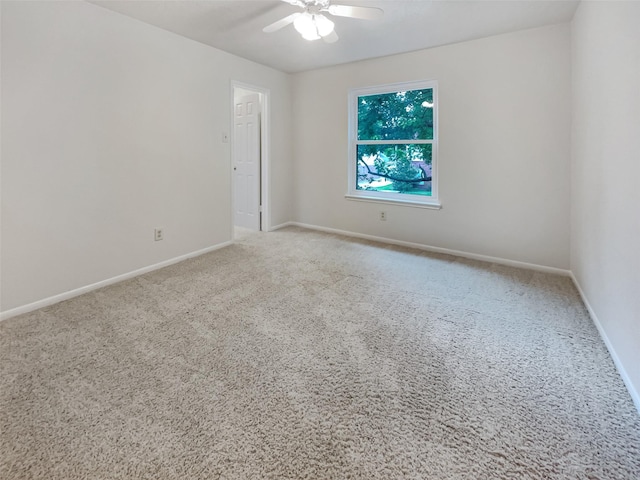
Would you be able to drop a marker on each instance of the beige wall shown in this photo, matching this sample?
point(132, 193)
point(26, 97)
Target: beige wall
point(504, 121)
point(110, 128)
point(605, 233)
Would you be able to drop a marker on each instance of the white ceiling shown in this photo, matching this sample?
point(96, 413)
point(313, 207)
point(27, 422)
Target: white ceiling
point(407, 25)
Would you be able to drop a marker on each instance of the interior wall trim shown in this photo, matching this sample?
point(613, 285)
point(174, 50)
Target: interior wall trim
point(429, 248)
point(635, 396)
point(103, 283)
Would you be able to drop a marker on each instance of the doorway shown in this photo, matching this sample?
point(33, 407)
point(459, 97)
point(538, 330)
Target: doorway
point(249, 157)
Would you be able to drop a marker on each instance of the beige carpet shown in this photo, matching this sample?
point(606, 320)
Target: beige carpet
point(301, 355)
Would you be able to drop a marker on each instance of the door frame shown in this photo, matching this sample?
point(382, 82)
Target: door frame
point(265, 152)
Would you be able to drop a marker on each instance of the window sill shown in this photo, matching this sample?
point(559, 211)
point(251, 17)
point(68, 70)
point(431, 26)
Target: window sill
point(434, 205)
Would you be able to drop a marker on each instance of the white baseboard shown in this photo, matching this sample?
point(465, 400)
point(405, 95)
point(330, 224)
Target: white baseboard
point(428, 248)
point(282, 225)
point(103, 283)
point(635, 396)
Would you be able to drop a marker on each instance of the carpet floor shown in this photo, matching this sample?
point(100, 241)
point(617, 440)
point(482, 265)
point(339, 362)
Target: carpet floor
point(301, 355)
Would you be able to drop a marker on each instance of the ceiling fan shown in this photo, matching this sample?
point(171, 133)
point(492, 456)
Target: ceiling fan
point(312, 24)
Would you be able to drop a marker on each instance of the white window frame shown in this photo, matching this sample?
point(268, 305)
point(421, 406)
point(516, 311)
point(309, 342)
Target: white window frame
point(390, 197)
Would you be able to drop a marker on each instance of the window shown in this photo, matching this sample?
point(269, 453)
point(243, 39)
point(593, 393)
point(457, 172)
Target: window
point(392, 143)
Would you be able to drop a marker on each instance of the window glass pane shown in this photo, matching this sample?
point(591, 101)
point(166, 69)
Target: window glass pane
point(396, 168)
point(396, 116)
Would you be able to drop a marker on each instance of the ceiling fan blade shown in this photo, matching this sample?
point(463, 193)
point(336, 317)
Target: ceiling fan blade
point(283, 22)
point(297, 3)
point(365, 13)
point(331, 38)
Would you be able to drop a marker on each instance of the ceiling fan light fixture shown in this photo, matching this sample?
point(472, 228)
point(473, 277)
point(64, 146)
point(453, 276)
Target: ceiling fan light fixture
point(324, 25)
point(313, 26)
point(306, 27)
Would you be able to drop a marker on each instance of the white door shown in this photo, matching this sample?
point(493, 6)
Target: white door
point(246, 174)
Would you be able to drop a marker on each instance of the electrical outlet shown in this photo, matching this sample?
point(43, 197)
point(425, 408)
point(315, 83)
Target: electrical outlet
point(383, 216)
point(158, 234)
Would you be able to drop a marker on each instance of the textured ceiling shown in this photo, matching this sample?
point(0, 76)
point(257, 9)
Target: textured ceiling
point(236, 26)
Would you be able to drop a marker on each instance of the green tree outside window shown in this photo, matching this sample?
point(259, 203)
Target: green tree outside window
point(395, 132)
